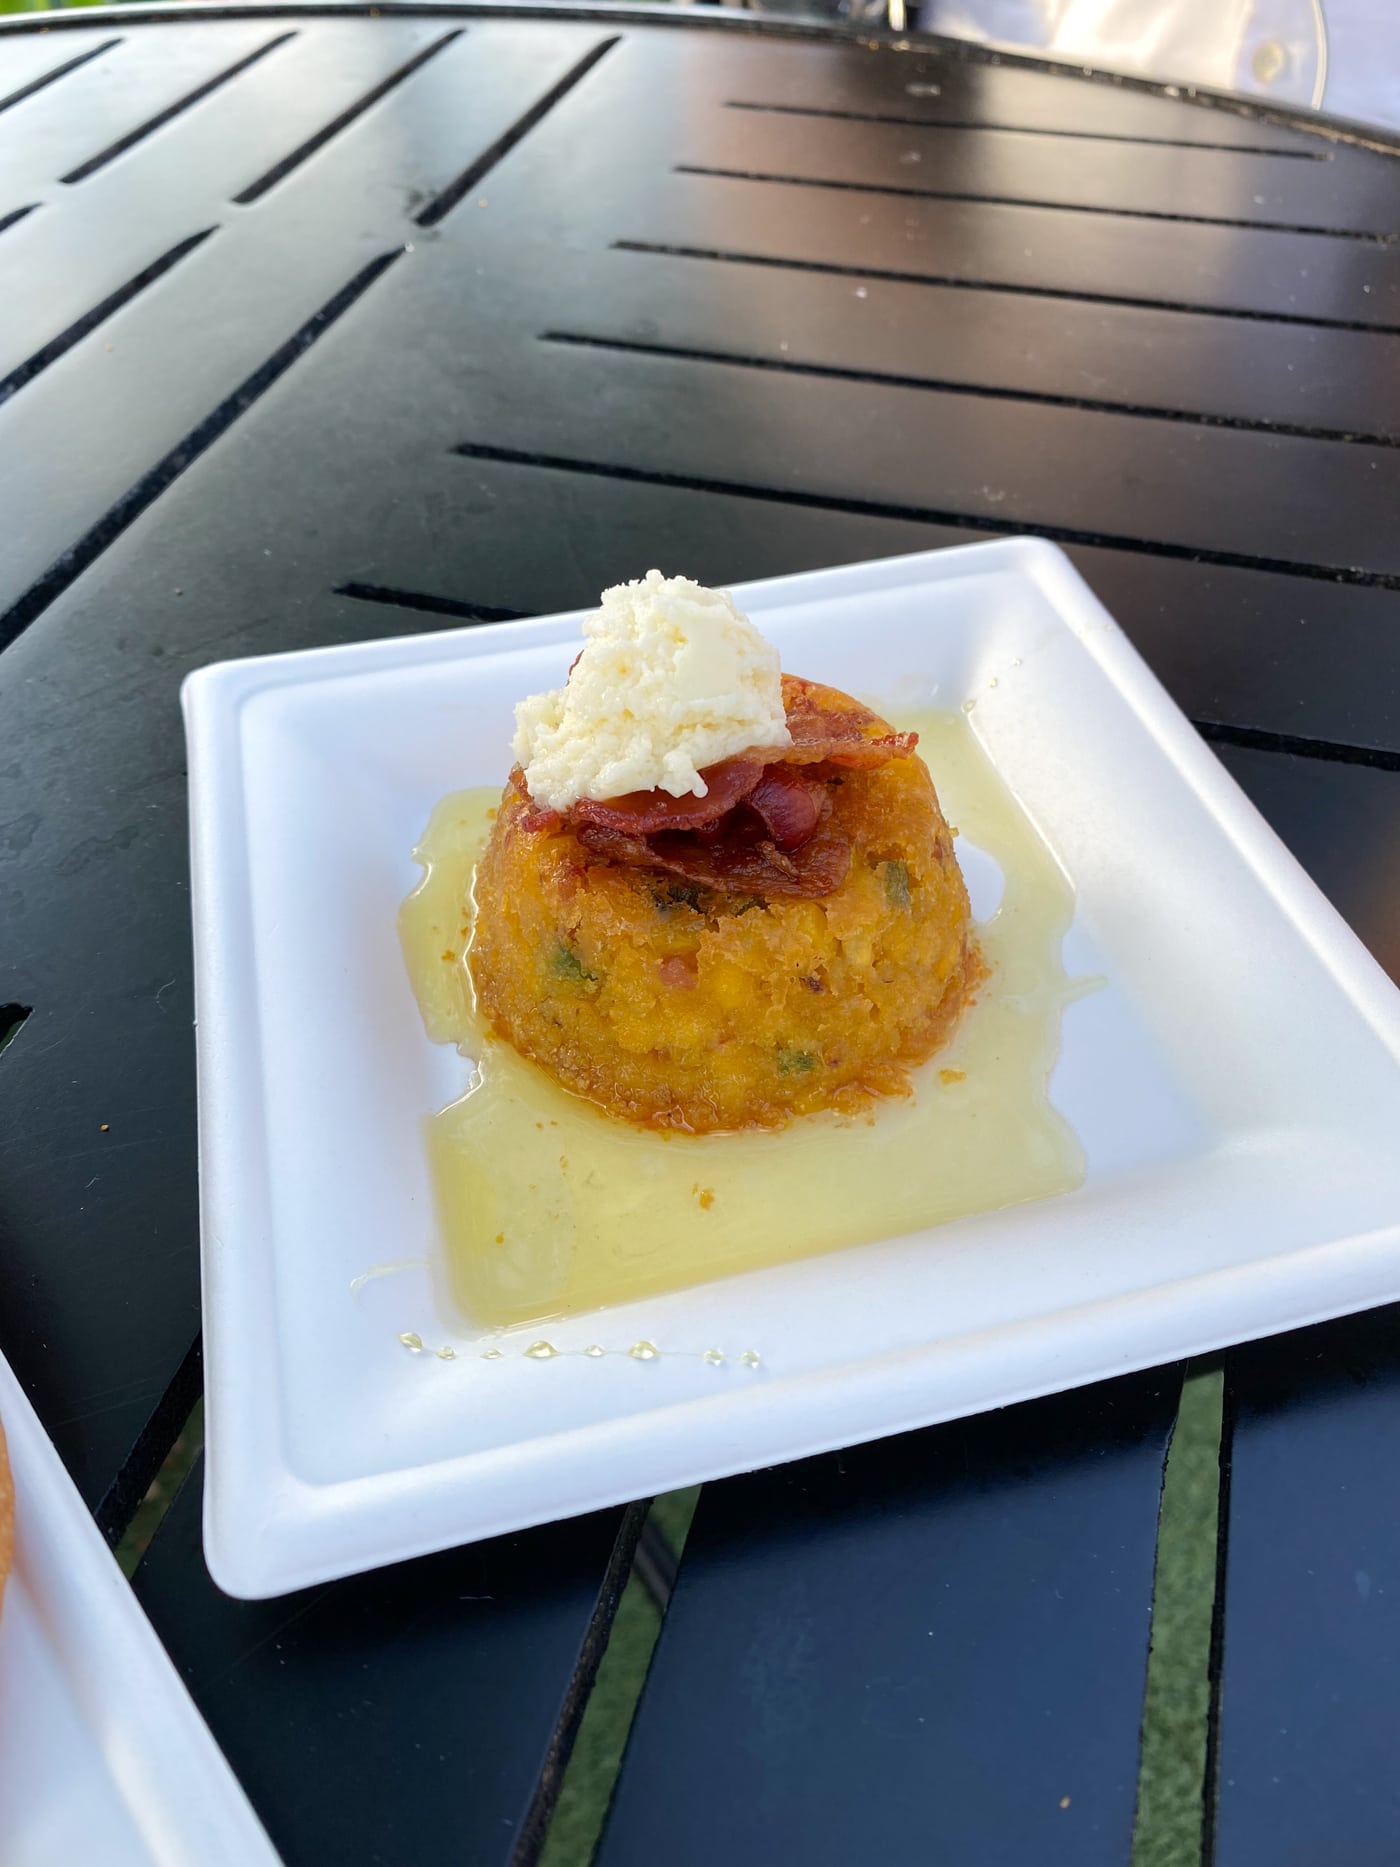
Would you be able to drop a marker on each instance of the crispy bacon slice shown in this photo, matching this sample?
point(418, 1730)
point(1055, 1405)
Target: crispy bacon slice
point(535, 816)
point(828, 727)
point(643, 813)
point(763, 826)
point(791, 804)
point(733, 865)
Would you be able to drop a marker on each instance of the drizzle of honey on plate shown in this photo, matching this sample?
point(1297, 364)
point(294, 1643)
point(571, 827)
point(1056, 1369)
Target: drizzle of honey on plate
point(548, 1207)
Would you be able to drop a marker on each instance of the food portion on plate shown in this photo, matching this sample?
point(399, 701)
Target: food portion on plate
point(712, 957)
point(716, 897)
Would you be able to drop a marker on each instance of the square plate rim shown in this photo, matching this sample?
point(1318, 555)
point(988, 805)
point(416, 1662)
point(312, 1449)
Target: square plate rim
point(268, 1532)
point(209, 1819)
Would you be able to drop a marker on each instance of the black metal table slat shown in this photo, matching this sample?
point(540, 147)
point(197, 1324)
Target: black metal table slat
point(942, 456)
point(181, 180)
point(36, 60)
point(92, 107)
point(1260, 651)
point(932, 1648)
point(133, 211)
point(86, 372)
point(1139, 360)
point(1342, 822)
point(1309, 1683)
point(1351, 195)
point(854, 346)
point(953, 86)
point(223, 262)
point(1079, 476)
point(1293, 656)
point(1257, 273)
point(404, 1715)
point(1086, 256)
point(183, 346)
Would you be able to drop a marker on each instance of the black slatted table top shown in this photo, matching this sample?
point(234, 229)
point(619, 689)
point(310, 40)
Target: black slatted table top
point(320, 325)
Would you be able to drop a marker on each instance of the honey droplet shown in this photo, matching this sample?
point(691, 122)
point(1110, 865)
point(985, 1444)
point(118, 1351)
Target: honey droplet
point(714, 1356)
point(542, 1351)
point(644, 1351)
point(412, 1340)
point(357, 1284)
point(446, 1354)
point(992, 682)
point(968, 705)
point(492, 1354)
point(751, 1358)
point(594, 1350)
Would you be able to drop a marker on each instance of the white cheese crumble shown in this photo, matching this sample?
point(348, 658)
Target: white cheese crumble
point(672, 678)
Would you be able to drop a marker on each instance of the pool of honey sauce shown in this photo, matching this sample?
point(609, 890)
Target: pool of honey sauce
point(547, 1207)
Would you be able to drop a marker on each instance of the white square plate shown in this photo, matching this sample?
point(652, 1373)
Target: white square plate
point(103, 1758)
point(1236, 1088)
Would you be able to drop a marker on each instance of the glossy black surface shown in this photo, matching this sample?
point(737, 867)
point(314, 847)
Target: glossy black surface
point(319, 327)
point(940, 1636)
point(400, 1715)
point(1343, 825)
point(1310, 1675)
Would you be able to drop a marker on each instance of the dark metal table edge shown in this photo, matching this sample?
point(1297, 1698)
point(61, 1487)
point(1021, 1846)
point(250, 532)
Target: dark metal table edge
point(715, 18)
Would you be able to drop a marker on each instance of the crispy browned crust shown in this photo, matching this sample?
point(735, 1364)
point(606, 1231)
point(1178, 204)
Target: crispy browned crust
point(718, 1001)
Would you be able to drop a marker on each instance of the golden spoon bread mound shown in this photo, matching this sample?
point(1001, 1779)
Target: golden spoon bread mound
point(796, 940)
